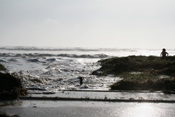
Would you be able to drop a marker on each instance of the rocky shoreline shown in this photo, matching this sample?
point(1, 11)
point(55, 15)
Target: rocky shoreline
point(140, 72)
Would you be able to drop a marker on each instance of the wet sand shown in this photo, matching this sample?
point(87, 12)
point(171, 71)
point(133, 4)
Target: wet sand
point(90, 109)
point(128, 104)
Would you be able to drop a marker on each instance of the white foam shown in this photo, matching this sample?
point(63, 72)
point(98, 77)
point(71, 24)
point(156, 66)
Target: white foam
point(51, 64)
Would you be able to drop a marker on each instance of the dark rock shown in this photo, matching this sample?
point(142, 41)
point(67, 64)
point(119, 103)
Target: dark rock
point(152, 85)
point(151, 64)
point(10, 87)
point(150, 68)
point(2, 67)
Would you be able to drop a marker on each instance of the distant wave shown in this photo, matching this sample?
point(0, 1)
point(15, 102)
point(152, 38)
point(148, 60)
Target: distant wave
point(50, 55)
point(24, 48)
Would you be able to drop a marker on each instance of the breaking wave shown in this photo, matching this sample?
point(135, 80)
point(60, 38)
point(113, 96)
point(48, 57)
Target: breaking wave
point(50, 55)
point(22, 48)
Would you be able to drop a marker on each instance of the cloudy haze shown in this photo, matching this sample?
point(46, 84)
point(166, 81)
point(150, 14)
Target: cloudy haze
point(88, 23)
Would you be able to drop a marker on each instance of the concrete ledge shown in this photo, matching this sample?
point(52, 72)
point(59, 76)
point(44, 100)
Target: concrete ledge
point(89, 99)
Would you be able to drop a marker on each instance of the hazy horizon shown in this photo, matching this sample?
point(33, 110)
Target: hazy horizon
point(88, 23)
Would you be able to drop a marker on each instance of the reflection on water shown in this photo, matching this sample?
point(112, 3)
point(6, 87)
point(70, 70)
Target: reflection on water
point(146, 110)
point(90, 109)
point(143, 110)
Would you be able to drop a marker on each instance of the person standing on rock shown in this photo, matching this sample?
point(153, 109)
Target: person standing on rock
point(164, 54)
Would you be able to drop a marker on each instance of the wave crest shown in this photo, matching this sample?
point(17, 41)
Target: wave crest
point(57, 55)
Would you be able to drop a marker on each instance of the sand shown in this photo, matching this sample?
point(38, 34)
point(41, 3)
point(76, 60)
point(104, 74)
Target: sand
point(136, 106)
point(90, 109)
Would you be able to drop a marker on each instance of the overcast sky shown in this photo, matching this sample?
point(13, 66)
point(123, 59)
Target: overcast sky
point(88, 23)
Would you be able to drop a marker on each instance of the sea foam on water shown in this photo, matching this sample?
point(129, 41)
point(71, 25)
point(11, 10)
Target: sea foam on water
point(53, 69)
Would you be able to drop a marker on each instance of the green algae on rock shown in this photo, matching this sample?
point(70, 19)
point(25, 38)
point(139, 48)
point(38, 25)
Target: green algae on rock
point(152, 85)
point(140, 72)
point(150, 64)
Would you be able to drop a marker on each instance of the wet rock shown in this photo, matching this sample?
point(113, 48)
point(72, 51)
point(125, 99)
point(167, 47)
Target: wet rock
point(2, 67)
point(10, 87)
point(140, 72)
point(164, 85)
point(150, 64)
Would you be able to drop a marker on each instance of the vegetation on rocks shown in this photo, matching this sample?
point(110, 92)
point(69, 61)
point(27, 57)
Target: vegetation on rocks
point(140, 72)
point(10, 86)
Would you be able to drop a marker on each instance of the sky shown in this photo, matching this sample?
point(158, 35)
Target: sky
point(88, 23)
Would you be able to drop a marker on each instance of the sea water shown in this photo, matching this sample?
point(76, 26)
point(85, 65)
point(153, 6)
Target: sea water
point(55, 69)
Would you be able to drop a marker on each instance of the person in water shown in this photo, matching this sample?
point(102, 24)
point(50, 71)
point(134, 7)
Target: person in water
point(163, 54)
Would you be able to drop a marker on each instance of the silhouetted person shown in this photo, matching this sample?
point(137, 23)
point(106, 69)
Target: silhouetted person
point(163, 54)
point(81, 80)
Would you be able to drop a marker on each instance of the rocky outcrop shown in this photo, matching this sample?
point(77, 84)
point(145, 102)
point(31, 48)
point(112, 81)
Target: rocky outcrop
point(10, 87)
point(140, 72)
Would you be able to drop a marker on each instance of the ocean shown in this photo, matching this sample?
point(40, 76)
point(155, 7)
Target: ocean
point(54, 69)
